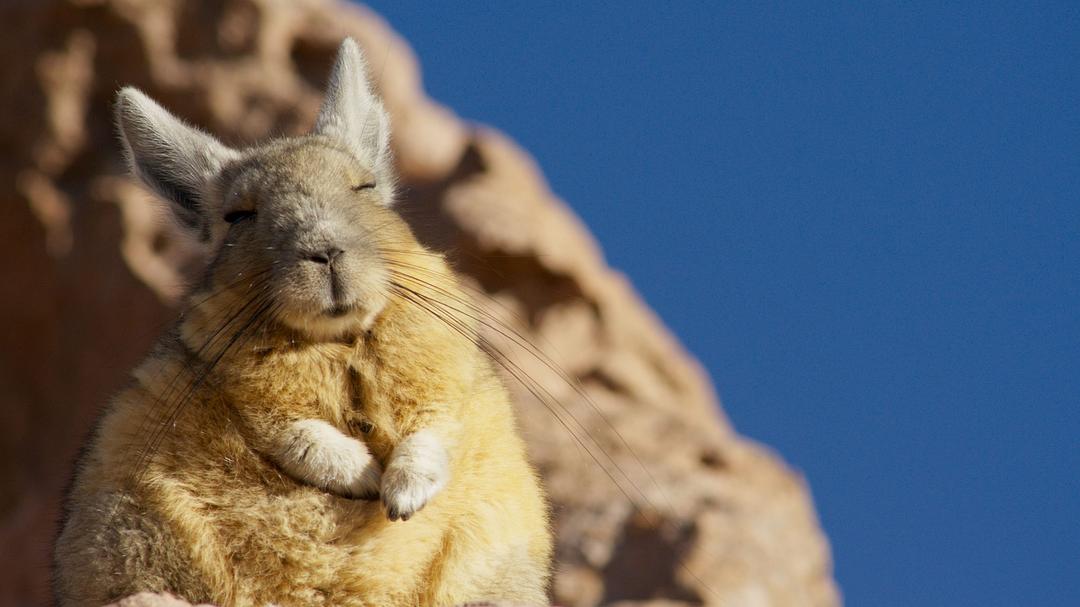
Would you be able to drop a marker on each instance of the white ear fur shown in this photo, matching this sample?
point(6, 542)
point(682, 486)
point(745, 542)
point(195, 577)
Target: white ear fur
point(352, 114)
point(170, 157)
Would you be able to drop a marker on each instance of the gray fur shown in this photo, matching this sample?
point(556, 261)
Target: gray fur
point(309, 197)
point(173, 159)
point(352, 114)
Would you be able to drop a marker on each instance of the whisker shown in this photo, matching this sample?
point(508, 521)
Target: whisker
point(239, 278)
point(169, 391)
point(482, 316)
point(543, 395)
point(172, 408)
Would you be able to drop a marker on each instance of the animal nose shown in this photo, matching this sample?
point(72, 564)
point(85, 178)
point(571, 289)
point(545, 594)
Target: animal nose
point(327, 256)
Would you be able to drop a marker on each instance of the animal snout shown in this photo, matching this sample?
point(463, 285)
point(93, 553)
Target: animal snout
point(325, 256)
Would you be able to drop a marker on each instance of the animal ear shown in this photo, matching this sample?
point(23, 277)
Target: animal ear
point(171, 158)
point(354, 115)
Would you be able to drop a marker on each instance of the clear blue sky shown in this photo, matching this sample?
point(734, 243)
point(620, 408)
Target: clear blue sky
point(866, 223)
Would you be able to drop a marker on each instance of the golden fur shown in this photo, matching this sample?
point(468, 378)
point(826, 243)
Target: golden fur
point(186, 485)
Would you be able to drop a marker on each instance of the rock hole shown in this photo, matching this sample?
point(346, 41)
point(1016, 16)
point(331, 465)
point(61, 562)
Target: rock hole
point(714, 458)
point(217, 28)
point(313, 61)
point(646, 564)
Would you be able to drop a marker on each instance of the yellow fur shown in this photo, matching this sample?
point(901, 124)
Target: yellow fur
point(238, 531)
point(325, 356)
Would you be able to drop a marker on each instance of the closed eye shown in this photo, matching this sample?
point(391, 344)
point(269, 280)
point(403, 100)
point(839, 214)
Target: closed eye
point(235, 216)
point(364, 186)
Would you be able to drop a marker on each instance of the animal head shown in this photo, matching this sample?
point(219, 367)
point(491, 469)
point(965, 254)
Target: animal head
point(304, 218)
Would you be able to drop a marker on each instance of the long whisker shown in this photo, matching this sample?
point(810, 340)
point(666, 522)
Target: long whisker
point(239, 278)
point(538, 391)
point(432, 306)
point(172, 407)
point(480, 315)
point(166, 395)
point(480, 293)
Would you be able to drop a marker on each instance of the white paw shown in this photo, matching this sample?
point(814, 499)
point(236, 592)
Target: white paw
point(317, 453)
point(418, 469)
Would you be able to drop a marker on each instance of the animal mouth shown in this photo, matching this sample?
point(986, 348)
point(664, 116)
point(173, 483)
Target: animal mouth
point(339, 310)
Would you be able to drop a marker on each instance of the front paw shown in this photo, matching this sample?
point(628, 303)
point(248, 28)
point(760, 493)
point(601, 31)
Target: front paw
point(317, 453)
point(418, 469)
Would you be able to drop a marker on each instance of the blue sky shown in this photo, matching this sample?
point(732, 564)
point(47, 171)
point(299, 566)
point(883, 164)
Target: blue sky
point(865, 220)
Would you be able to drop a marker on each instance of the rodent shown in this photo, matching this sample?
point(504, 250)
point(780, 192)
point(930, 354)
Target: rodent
point(309, 432)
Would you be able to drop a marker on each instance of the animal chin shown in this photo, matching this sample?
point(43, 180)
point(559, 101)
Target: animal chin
point(324, 326)
point(334, 321)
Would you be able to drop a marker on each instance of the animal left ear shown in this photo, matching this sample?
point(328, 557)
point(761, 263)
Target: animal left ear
point(354, 115)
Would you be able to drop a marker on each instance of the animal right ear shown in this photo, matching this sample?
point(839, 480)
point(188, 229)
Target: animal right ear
point(171, 158)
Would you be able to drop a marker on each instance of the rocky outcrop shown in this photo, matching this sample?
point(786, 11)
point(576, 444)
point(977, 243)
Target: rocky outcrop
point(655, 498)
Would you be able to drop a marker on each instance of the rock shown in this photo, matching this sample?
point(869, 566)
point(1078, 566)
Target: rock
point(656, 500)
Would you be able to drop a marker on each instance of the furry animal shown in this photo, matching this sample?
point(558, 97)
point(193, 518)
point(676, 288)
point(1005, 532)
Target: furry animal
point(320, 427)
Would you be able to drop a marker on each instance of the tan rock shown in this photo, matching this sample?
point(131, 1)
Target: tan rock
point(654, 495)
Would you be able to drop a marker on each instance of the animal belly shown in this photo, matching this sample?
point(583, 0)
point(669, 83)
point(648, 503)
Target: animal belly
point(305, 547)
